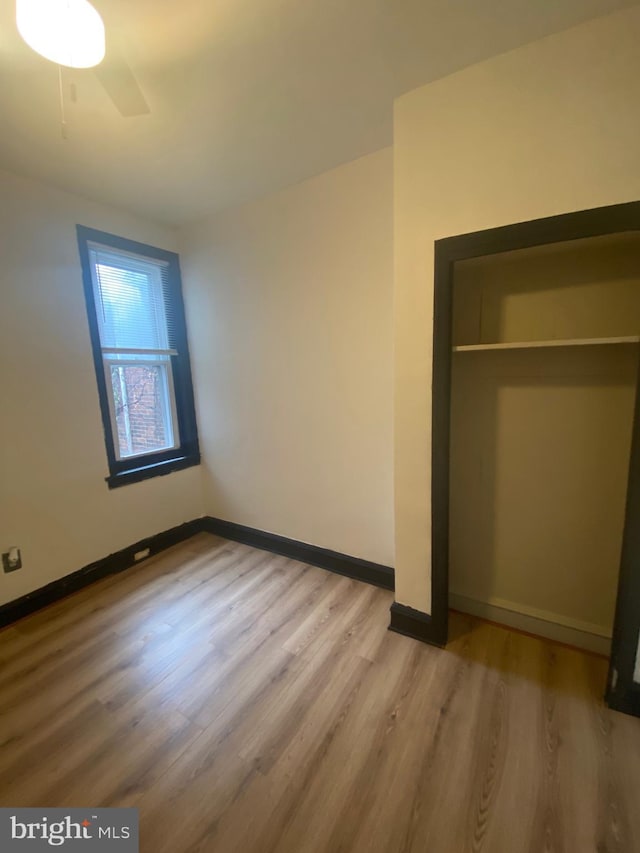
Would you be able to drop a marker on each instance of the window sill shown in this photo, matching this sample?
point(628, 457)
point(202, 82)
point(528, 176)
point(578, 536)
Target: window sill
point(146, 472)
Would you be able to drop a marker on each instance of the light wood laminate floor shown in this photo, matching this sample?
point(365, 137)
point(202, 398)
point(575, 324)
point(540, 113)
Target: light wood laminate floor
point(246, 702)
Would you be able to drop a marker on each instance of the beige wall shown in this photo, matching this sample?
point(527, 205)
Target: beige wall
point(54, 502)
point(549, 128)
point(540, 446)
point(289, 302)
point(579, 289)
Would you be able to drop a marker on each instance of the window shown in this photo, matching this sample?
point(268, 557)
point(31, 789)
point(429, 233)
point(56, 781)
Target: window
point(136, 319)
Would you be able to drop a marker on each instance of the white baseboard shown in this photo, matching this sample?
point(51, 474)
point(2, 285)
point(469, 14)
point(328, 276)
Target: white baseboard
point(584, 635)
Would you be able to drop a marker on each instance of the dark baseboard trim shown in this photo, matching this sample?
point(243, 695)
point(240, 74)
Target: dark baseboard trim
point(342, 564)
point(110, 565)
point(414, 623)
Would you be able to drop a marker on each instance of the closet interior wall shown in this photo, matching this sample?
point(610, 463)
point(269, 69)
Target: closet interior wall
point(544, 376)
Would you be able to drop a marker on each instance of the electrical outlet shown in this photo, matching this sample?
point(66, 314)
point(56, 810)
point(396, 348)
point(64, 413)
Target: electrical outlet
point(11, 560)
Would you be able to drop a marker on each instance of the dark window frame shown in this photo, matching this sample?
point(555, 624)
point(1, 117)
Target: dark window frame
point(187, 454)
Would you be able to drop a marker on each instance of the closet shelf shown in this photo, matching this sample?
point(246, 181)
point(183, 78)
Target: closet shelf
point(572, 342)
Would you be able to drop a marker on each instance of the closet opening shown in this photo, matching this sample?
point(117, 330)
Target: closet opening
point(535, 458)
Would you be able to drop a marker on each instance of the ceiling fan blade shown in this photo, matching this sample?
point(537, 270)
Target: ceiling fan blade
point(120, 83)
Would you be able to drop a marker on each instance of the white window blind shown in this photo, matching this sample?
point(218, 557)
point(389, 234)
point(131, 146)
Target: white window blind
point(130, 301)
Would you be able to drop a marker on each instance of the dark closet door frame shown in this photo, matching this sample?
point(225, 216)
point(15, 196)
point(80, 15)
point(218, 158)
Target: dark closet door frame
point(597, 222)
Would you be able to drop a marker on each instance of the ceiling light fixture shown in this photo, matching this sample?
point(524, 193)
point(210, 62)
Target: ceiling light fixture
point(68, 32)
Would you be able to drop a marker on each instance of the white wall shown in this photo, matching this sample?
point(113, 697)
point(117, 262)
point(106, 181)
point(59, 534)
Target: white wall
point(54, 502)
point(289, 302)
point(549, 128)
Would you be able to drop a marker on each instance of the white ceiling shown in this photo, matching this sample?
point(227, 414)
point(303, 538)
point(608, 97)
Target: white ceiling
point(246, 97)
